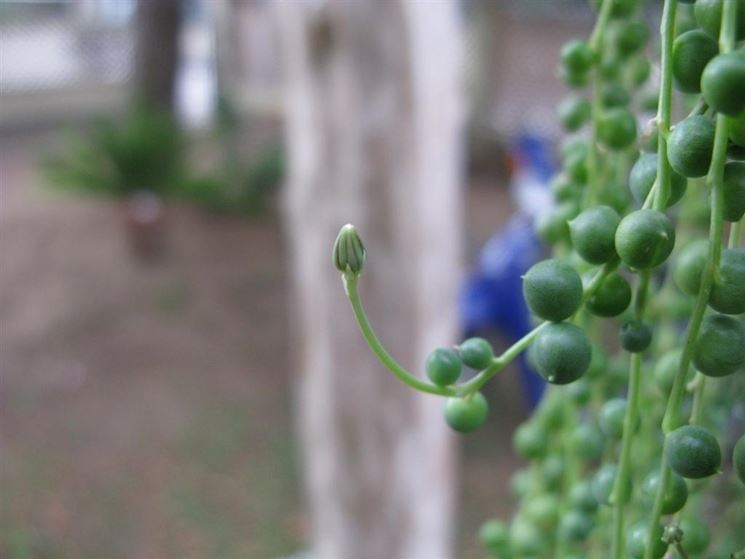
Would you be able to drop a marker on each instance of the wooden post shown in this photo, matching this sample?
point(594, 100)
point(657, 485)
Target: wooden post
point(158, 25)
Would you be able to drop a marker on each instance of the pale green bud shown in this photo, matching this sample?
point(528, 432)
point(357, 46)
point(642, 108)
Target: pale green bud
point(349, 252)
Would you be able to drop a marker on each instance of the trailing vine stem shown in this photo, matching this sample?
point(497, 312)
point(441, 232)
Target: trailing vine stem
point(735, 233)
point(681, 550)
point(473, 385)
point(697, 408)
point(596, 219)
point(714, 179)
point(468, 388)
point(596, 38)
point(385, 358)
point(570, 474)
point(629, 421)
point(661, 189)
point(664, 113)
point(698, 385)
point(699, 108)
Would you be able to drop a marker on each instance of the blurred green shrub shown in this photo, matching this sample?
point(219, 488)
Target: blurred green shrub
point(146, 151)
point(244, 192)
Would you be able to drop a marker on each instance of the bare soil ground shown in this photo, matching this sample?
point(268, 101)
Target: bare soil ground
point(145, 409)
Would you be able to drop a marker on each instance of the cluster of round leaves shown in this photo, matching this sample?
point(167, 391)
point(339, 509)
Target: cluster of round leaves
point(643, 175)
point(727, 294)
point(444, 366)
point(617, 125)
point(543, 513)
point(699, 67)
point(606, 235)
point(644, 239)
point(621, 227)
point(553, 291)
point(720, 348)
point(689, 148)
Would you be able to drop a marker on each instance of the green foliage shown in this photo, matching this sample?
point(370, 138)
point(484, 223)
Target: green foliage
point(676, 494)
point(720, 347)
point(562, 353)
point(690, 146)
point(476, 353)
point(553, 290)
point(723, 82)
point(629, 430)
point(617, 128)
point(611, 298)
point(147, 150)
point(443, 366)
point(693, 452)
point(644, 174)
point(593, 234)
point(738, 459)
point(692, 51)
point(143, 151)
point(635, 336)
point(637, 542)
point(466, 414)
point(245, 193)
point(530, 441)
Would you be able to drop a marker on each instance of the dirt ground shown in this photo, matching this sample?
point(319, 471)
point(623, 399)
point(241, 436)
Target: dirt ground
point(145, 409)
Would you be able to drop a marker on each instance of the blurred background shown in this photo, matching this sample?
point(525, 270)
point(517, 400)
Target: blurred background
point(181, 375)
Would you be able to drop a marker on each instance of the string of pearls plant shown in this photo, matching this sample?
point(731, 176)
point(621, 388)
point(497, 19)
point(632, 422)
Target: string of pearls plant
point(638, 447)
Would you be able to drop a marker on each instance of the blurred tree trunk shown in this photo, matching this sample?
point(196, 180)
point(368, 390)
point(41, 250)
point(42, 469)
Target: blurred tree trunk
point(158, 26)
point(374, 132)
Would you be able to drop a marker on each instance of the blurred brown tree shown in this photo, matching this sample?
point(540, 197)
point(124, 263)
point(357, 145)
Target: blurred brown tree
point(158, 26)
point(374, 115)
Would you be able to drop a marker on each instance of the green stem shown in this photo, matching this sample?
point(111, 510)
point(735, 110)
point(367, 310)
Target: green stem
point(660, 191)
point(593, 159)
point(681, 551)
point(471, 386)
point(728, 29)
point(659, 499)
point(699, 108)
point(602, 22)
point(735, 233)
point(570, 470)
point(640, 303)
point(598, 278)
point(715, 177)
point(617, 533)
point(629, 421)
point(697, 408)
point(664, 112)
point(651, 197)
point(671, 419)
point(500, 362)
point(350, 286)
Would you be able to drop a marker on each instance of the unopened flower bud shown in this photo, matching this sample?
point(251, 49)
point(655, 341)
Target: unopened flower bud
point(349, 252)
